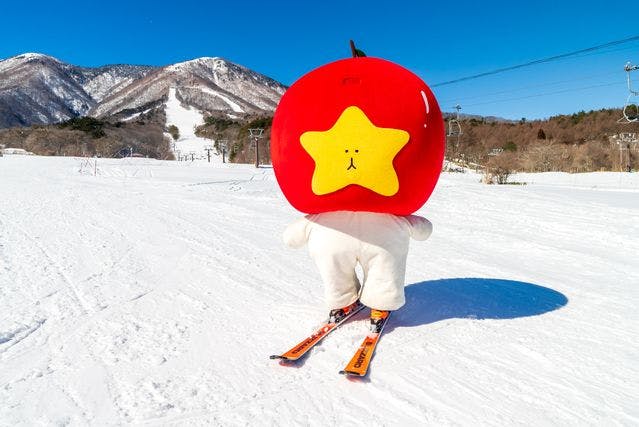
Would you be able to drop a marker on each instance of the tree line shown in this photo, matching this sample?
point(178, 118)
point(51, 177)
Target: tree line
point(580, 142)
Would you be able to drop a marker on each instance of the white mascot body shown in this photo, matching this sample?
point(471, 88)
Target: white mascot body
point(339, 241)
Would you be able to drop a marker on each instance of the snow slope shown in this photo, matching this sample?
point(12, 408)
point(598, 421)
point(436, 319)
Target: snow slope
point(186, 120)
point(154, 292)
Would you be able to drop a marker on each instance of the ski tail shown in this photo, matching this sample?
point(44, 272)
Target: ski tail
point(336, 319)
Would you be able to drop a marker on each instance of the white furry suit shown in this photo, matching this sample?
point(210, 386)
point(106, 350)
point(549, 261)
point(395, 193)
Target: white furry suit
point(338, 241)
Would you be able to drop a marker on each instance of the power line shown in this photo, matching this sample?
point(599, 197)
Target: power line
point(538, 61)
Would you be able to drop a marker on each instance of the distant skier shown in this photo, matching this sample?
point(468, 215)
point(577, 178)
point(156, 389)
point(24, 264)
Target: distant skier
point(358, 144)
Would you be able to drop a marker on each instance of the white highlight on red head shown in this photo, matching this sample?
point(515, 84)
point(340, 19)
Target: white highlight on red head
point(425, 103)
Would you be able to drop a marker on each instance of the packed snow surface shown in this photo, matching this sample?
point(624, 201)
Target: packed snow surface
point(146, 292)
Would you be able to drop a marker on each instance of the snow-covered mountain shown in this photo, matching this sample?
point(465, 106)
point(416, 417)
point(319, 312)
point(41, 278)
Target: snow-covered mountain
point(207, 84)
point(40, 89)
point(100, 82)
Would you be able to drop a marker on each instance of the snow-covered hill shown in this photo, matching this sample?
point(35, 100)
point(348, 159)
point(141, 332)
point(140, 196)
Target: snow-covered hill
point(100, 82)
point(154, 292)
point(40, 89)
point(208, 84)
point(37, 89)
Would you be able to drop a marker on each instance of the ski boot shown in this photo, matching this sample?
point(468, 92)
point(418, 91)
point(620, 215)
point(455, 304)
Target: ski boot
point(338, 314)
point(378, 319)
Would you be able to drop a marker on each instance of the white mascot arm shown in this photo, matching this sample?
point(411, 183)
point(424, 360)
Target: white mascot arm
point(296, 235)
point(420, 228)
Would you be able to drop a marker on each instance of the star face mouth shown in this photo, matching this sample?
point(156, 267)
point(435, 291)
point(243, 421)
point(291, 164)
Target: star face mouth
point(351, 166)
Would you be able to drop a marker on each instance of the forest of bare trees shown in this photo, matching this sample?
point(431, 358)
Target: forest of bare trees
point(580, 142)
point(89, 137)
point(240, 147)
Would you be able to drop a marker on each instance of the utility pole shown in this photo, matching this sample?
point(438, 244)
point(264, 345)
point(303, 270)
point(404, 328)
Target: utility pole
point(256, 134)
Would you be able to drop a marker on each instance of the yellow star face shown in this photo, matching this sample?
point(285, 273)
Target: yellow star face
point(354, 151)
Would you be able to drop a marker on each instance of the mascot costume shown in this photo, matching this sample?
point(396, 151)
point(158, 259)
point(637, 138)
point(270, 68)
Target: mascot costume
point(358, 145)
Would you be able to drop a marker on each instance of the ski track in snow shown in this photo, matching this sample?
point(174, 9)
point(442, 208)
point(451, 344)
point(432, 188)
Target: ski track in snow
point(153, 293)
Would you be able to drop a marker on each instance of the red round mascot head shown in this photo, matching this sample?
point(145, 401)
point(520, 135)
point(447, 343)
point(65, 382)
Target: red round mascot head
point(359, 134)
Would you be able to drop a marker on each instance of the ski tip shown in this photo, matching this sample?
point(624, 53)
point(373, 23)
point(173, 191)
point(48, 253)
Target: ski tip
point(276, 356)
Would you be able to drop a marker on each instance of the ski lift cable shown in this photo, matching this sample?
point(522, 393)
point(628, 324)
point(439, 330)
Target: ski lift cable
point(505, 92)
point(537, 61)
point(544, 94)
point(519, 89)
point(602, 52)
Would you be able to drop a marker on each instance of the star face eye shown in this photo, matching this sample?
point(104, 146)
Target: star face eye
point(357, 151)
point(346, 151)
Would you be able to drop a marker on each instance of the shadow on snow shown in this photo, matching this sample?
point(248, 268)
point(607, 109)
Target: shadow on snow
point(474, 298)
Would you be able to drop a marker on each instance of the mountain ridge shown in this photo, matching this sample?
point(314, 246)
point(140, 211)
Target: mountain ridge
point(39, 89)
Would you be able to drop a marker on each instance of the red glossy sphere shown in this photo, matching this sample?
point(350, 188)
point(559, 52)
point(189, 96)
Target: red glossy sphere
point(391, 97)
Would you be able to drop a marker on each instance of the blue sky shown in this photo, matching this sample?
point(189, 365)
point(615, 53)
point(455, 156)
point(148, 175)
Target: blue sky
point(439, 41)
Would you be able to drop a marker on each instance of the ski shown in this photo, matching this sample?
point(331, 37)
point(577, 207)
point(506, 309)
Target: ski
point(329, 326)
point(358, 366)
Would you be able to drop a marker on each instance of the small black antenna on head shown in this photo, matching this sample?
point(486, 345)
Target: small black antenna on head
point(355, 51)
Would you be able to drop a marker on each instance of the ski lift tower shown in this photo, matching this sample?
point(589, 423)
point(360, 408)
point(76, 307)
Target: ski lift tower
point(256, 135)
point(626, 141)
point(208, 148)
point(223, 144)
point(454, 127)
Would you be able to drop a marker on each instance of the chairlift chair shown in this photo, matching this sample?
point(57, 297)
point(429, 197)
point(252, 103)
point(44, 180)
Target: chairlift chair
point(630, 108)
point(454, 127)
